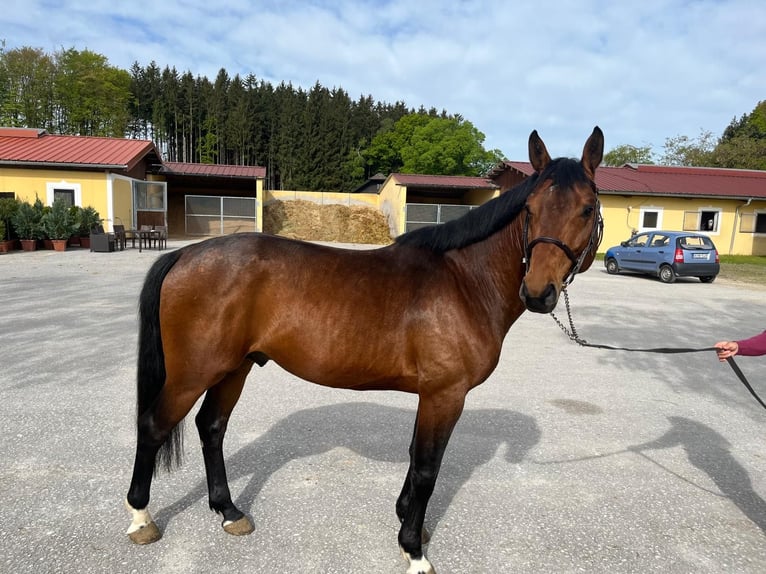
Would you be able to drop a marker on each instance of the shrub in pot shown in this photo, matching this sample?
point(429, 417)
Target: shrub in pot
point(58, 224)
point(8, 207)
point(89, 219)
point(26, 224)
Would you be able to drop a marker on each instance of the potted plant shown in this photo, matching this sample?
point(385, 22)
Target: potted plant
point(89, 219)
point(74, 213)
point(26, 223)
point(58, 224)
point(8, 207)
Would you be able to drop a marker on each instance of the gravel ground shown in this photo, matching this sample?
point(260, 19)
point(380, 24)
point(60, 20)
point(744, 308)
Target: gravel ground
point(565, 460)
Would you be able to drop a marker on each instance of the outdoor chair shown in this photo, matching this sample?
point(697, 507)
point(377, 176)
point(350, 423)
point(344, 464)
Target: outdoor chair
point(100, 241)
point(120, 239)
point(161, 236)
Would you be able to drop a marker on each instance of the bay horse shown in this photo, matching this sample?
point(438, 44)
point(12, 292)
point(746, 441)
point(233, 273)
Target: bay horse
point(426, 315)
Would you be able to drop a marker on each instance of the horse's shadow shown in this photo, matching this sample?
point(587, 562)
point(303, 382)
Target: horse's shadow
point(376, 432)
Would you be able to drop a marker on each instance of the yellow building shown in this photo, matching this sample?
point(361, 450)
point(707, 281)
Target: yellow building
point(127, 182)
point(728, 205)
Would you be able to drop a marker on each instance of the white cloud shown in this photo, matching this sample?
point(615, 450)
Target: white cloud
point(643, 72)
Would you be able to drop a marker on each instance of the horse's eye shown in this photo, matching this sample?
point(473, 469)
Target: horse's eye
point(587, 211)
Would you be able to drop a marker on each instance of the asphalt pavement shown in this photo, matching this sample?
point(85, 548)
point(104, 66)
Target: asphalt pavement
point(566, 460)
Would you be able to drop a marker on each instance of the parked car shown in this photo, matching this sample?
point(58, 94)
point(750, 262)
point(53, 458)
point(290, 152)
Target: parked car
point(667, 255)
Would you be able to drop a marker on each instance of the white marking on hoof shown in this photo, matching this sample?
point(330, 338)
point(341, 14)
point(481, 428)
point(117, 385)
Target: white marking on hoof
point(141, 518)
point(142, 529)
point(417, 566)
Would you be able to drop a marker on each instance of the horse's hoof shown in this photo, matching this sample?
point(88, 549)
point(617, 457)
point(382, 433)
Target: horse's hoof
point(146, 534)
point(239, 527)
point(417, 566)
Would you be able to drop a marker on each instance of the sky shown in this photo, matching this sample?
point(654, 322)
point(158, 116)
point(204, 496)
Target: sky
point(644, 71)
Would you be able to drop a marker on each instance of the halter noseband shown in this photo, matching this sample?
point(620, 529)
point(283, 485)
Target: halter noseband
point(593, 243)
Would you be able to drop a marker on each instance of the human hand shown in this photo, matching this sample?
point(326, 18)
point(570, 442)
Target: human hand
point(726, 349)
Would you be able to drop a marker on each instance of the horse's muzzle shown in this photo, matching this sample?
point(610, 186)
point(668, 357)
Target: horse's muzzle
point(543, 303)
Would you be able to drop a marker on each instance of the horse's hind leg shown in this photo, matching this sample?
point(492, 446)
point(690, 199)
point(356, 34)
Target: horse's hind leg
point(436, 418)
point(212, 421)
point(153, 429)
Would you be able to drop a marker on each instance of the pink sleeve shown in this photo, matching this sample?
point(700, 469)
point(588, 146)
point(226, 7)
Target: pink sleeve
point(753, 346)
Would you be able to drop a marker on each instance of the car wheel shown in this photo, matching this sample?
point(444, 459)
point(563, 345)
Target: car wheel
point(667, 275)
point(611, 266)
point(707, 278)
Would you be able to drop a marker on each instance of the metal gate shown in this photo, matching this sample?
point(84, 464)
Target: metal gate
point(216, 215)
point(423, 214)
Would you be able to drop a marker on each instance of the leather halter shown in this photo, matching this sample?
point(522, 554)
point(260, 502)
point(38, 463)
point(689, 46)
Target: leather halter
point(593, 243)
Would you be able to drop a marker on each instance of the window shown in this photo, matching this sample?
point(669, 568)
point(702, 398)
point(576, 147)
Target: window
point(149, 195)
point(71, 193)
point(7, 195)
point(66, 195)
point(702, 220)
point(639, 240)
point(659, 240)
point(650, 218)
point(752, 223)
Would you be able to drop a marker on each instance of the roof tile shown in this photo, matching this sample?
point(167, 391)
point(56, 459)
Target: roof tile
point(181, 168)
point(23, 146)
point(673, 180)
point(419, 180)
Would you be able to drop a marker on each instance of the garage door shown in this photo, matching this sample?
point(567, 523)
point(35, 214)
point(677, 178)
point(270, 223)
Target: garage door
point(214, 215)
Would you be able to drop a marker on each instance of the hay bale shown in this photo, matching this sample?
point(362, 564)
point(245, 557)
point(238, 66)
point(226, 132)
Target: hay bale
point(300, 219)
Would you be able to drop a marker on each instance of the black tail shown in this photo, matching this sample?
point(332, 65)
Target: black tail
point(151, 359)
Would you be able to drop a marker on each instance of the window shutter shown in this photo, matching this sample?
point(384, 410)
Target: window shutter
point(747, 223)
point(691, 219)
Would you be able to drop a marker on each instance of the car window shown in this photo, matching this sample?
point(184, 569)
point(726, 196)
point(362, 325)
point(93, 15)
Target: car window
point(659, 240)
point(639, 241)
point(695, 242)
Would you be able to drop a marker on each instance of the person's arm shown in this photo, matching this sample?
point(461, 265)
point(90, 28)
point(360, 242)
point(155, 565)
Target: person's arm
point(754, 346)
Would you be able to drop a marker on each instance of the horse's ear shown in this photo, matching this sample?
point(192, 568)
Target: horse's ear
point(593, 152)
point(538, 155)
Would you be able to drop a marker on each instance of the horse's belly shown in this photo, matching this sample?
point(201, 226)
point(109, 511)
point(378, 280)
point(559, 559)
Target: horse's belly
point(345, 372)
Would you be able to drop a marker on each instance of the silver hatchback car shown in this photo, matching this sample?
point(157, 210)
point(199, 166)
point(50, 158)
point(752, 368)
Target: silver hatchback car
point(667, 255)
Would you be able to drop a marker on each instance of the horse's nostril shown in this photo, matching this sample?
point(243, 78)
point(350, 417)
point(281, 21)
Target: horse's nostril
point(543, 303)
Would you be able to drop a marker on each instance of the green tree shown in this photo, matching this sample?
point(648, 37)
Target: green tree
point(743, 143)
point(627, 153)
point(26, 88)
point(685, 151)
point(92, 96)
point(430, 144)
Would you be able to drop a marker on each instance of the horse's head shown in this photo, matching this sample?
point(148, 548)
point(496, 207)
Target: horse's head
point(563, 224)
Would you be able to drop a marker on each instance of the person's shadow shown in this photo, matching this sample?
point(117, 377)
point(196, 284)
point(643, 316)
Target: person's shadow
point(376, 432)
point(709, 452)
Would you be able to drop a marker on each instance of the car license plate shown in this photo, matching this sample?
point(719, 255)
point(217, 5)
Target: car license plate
point(700, 255)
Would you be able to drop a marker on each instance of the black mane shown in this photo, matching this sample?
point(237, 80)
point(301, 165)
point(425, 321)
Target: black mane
point(489, 218)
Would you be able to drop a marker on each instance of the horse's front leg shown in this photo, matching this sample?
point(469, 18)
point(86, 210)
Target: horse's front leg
point(437, 415)
point(212, 421)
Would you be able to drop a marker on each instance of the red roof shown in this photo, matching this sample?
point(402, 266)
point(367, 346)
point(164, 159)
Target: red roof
point(213, 170)
point(19, 146)
point(674, 181)
point(456, 181)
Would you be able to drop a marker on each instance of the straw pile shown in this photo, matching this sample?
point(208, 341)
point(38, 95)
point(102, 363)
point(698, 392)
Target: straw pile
point(300, 219)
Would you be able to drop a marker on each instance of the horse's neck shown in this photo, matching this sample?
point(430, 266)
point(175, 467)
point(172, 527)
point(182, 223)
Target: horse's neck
point(495, 267)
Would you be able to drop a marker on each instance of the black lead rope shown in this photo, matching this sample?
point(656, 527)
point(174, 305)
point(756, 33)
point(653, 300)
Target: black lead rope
point(573, 336)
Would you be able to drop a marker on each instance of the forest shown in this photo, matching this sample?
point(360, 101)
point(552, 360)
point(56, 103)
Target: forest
point(320, 139)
